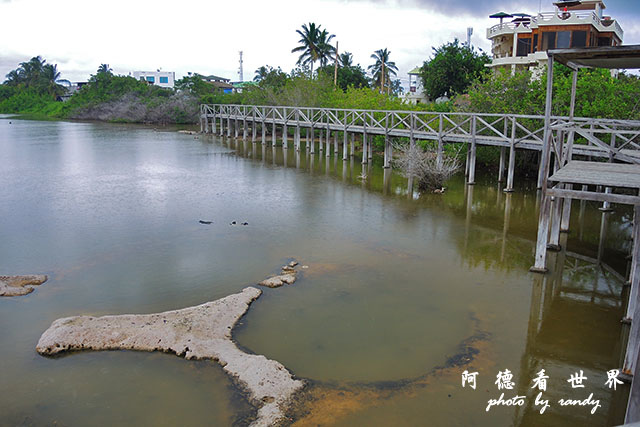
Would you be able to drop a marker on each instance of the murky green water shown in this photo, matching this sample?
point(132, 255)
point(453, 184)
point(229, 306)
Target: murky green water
point(396, 282)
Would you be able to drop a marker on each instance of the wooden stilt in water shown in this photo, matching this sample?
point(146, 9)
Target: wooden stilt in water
point(633, 308)
point(335, 143)
point(285, 131)
point(512, 158)
point(545, 205)
point(364, 147)
point(306, 138)
point(254, 130)
point(387, 147)
point(228, 127)
point(311, 143)
point(236, 127)
point(273, 133)
point(328, 140)
point(352, 150)
point(263, 128)
point(296, 135)
point(472, 158)
point(503, 152)
point(370, 150)
point(345, 143)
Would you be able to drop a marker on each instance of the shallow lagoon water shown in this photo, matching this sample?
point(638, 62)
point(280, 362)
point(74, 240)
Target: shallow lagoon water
point(396, 280)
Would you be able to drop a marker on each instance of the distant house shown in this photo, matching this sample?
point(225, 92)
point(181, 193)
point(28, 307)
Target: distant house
point(219, 83)
point(239, 86)
point(158, 78)
point(416, 94)
point(71, 88)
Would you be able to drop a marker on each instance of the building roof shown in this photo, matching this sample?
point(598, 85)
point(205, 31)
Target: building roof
point(415, 71)
point(612, 57)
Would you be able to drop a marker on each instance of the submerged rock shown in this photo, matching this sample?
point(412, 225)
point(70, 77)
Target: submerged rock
point(200, 332)
point(11, 286)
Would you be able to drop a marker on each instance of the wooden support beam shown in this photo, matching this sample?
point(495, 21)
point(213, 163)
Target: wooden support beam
point(263, 128)
point(501, 163)
point(253, 125)
point(328, 142)
point(472, 158)
point(512, 157)
point(543, 235)
point(345, 143)
point(593, 196)
point(440, 150)
point(364, 147)
point(228, 126)
point(387, 144)
point(352, 150)
point(335, 143)
point(312, 143)
point(273, 132)
point(285, 134)
point(633, 310)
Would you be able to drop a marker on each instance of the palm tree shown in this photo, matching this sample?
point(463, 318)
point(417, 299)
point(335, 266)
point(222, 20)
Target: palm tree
point(345, 59)
point(314, 45)
point(261, 73)
point(326, 51)
point(382, 69)
point(104, 68)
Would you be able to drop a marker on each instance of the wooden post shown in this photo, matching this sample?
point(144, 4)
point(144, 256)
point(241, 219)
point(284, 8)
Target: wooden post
point(543, 176)
point(253, 125)
point(273, 130)
point(296, 137)
point(472, 163)
point(345, 140)
point(229, 126)
point(440, 153)
point(214, 123)
point(412, 124)
point(285, 131)
point(512, 157)
point(306, 138)
point(312, 142)
point(370, 150)
point(387, 144)
point(466, 164)
point(328, 139)
point(353, 145)
point(335, 143)
point(503, 152)
point(364, 146)
point(633, 309)
point(201, 124)
point(263, 128)
point(236, 126)
point(566, 206)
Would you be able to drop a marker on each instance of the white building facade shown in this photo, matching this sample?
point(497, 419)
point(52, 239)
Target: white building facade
point(158, 78)
point(522, 43)
point(416, 94)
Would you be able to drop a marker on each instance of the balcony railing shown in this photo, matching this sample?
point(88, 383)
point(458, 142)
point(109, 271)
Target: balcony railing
point(567, 18)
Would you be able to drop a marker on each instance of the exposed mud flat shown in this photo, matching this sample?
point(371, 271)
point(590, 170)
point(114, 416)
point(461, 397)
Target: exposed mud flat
point(12, 286)
point(200, 332)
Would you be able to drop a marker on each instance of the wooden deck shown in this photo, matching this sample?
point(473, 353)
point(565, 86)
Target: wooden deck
point(598, 173)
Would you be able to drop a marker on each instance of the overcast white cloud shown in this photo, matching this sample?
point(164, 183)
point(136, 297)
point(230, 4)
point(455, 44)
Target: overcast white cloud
point(206, 36)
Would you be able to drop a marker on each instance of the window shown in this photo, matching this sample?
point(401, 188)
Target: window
point(548, 40)
point(604, 41)
point(164, 79)
point(523, 47)
point(535, 43)
point(563, 39)
point(579, 39)
point(151, 79)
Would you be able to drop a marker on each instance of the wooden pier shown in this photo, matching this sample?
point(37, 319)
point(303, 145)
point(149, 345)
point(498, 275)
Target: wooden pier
point(508, 131)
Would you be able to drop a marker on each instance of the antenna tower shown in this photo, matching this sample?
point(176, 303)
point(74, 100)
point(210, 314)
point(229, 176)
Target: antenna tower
point(240, 68)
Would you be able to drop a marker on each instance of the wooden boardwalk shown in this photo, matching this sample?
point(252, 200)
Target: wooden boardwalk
point(507, 131)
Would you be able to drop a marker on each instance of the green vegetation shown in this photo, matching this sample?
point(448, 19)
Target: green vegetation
point(314, 45)
point(382, 69)
point(452, 70)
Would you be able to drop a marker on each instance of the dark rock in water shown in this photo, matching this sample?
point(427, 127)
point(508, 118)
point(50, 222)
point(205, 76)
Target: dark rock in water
point(205, 222)
point(233, 223)
point(245, 223)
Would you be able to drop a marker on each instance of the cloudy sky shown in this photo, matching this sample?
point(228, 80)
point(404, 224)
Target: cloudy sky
point(206, 36)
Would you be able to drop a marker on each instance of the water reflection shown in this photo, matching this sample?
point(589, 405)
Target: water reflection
point(577, 290)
